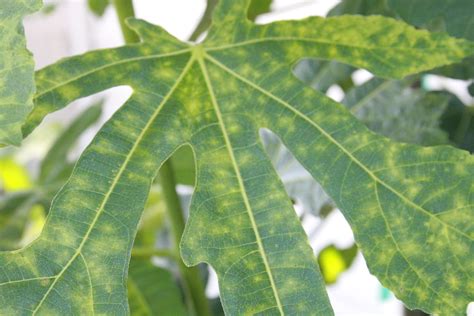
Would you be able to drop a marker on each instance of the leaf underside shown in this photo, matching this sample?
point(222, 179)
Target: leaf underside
point(410, 207)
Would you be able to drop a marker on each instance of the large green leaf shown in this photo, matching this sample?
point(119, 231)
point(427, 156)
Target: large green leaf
point(16, 70)
point(215, 97)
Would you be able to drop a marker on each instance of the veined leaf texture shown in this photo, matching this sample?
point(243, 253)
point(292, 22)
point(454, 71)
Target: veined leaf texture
point(411, 208)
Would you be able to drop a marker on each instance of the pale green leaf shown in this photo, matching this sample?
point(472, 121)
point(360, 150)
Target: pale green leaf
point(215, 97)
point(16, 70)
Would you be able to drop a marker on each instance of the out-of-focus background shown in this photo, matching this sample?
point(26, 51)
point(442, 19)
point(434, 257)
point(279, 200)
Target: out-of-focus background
point(68, 27)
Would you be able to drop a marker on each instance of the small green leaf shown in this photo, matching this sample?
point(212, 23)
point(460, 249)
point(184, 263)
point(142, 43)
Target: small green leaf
point(333, 261)
point(98, 6)
point(258, 7)
point(16, 70)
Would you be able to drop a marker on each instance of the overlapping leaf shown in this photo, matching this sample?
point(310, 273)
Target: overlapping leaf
point(400, 199)
point(16, 70)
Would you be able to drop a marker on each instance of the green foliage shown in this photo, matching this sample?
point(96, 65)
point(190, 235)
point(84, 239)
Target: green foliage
point(399, 199)
point(16, 70)
point(152, 291)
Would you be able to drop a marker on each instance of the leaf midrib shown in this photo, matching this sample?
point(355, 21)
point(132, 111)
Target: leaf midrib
point(241, 185)
point(115, 182)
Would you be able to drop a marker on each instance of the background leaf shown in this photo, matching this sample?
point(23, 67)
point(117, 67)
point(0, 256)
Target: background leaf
point(152, 291)
point(98, 6)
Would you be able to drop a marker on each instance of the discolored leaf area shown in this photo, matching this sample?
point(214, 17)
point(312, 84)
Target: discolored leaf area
point(16, 70)
point(402, 201)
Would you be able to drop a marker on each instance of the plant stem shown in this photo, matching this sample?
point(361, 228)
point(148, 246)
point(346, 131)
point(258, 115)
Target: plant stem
point(191, 277)
point(124, 9)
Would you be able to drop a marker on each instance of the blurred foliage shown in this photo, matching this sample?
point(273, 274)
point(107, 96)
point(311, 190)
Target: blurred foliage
point(25, 201)
point(458, 121)
point(98, 6)
point(333, 261)
point(152, 290)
